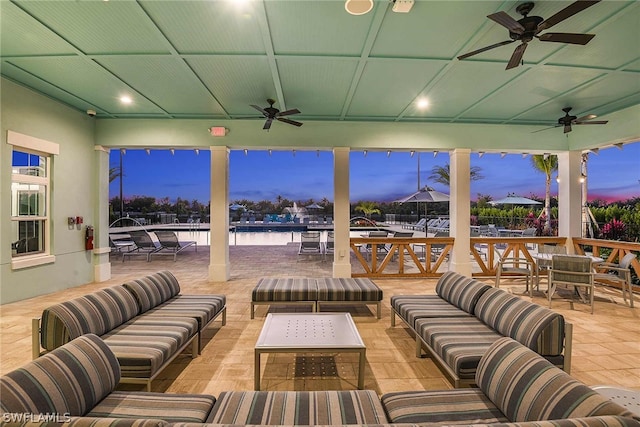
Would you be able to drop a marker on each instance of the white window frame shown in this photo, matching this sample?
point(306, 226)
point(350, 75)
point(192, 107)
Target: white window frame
point(47, 149)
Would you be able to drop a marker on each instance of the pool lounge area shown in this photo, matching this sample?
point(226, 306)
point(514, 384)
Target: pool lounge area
point(606, 347)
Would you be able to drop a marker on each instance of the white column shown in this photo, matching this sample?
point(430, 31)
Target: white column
point(569, 196)
point(100, 221)
point(219, 267)
point(341, 213)
point(460, 210)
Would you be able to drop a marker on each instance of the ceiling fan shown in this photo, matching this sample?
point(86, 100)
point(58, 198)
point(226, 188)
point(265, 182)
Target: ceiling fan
point(272, 113)
point(567, 120)
point(529, 27)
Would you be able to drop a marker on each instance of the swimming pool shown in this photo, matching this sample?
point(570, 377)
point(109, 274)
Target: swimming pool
point(245, 238)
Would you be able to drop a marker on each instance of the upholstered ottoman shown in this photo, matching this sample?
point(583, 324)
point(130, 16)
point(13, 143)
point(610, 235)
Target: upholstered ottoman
point(298, 408)
point(349, 290)
point(290, 290)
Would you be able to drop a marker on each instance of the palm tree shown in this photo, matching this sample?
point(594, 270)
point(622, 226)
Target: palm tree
point(547, 164)
point(114, 173)
point(367, 208)
point(441, 174)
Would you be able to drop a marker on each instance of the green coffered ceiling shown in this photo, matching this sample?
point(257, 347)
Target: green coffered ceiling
point(212, 59)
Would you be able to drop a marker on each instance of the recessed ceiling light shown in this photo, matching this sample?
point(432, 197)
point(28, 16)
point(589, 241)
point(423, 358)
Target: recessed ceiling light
point(358, 7)
point(126, 99)
point(423, 103)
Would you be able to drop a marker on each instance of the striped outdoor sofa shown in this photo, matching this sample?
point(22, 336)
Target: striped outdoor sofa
point(316, 292)
point(79, 380)
point(460, 322)
point(515, 385)
point(145, 322)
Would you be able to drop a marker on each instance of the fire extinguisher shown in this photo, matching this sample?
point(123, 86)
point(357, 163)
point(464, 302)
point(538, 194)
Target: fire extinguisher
point(88, 238)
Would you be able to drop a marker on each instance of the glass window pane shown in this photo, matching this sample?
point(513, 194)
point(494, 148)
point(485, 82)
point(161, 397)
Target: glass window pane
point(28, 199)
point(29, 164)
point(28, 237)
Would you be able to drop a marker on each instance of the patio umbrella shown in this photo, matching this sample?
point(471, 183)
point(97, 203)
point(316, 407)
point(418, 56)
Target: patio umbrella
point(236, 206)
point(314, 206)
point(514, 201)
point(426, 195)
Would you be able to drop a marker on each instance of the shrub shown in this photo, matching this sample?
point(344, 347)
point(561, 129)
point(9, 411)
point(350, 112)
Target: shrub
point(613, 230)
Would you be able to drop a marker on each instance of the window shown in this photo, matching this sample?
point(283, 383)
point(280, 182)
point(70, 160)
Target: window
point(30, 198)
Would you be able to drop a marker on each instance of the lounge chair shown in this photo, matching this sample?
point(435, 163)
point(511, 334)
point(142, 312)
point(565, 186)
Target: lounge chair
point(329, 246)
point(169, 243)
point(419, 224)
point(120, 242)
point(310, 243)
point(144, 245)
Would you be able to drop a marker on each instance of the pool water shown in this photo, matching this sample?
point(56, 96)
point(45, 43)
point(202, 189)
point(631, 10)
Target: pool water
point(273, 238)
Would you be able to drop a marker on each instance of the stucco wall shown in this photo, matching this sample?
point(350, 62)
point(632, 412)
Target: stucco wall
point(26, 112)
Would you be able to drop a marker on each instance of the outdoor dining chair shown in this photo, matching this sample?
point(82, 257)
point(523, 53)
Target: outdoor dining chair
point(571, 270)
point(516, 267)
point(617, 274)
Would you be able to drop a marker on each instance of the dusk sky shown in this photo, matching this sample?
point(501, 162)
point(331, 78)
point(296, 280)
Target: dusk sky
point(614, 174)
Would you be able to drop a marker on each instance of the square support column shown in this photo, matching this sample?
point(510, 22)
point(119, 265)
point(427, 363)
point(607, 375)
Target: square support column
point(460, 210)
point(101, 251)
point(341, 213)
point(219, 266)
point(569, 196)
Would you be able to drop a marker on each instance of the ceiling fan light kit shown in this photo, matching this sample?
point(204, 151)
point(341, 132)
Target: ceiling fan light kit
point(527, 28)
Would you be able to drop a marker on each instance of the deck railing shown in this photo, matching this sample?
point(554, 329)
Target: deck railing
point(396, 257)
point(378, 255)
point(487, 251)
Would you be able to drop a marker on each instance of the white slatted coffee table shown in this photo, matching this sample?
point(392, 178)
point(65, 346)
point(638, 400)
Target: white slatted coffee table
point(310, 333)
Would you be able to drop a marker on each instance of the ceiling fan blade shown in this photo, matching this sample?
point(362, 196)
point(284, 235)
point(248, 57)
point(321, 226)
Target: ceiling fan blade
point(572, 38)
point(267, 124)
point(291, 122)
point(288, 112)
point(484, 49)
point(565, 13)
point(587, 117)
point(597, 122)
point(260, 109)
point(567, 128)
point(516, 57)
point(507, 21)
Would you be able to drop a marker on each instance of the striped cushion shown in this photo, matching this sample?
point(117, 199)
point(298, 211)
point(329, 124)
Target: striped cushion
point(70, 379)
point(460, 406)
point(285, 289)
point(604, 421)
point(528, 388)
point(298, 408)
point(92, 422)
point(166, 406)
point(413, 307)
point(534, 326)
point(145, 343)
point(203, 308)
point(461, 291)
point(460, 342)
point(348, 289)
point(153, 290)
point(95, 313)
